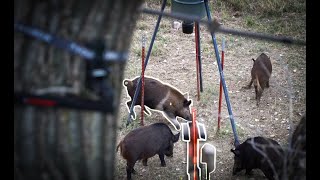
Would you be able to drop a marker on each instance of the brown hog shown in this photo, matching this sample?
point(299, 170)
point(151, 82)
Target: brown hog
point(145, 142)
point(260, 75)
point(161, 97)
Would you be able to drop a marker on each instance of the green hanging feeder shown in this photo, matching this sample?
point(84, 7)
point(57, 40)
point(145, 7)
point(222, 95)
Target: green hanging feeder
point(189, 7)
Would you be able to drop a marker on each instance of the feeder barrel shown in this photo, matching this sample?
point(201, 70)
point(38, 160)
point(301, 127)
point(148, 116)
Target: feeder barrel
point(190, 7)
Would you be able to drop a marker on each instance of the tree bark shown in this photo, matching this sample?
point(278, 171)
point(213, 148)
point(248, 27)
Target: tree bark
point(60, 143)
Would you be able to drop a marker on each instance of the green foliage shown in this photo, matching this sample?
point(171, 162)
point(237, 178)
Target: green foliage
point(267, 7)
point(278, 17)
point(250, 21)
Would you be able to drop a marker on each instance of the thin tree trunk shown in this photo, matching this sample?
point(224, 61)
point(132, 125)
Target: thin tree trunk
point(59, 143)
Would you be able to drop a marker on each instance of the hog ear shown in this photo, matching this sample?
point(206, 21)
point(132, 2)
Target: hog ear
point(186, 103)
point(176, 137)
point(127, 82)
point(186, 95)
point(235, 152)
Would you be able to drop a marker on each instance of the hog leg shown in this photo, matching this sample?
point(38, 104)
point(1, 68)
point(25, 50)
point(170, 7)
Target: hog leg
point(249, 85)
point(146, 110)
point(269, 176)
point(133, 114)
point(144, 162)
point(130, 170)
point(258, 96)
point(267, 84)
point(129, 104)
point(173, 120)
point(258, 102)
point(161, 156)
point(128, 173)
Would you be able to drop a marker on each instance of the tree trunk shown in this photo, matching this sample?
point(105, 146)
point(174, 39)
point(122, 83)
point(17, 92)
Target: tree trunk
point(60, 143)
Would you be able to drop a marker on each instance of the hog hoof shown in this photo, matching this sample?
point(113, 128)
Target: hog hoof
point(144, 163)
point(246, 87)
point(133, 116)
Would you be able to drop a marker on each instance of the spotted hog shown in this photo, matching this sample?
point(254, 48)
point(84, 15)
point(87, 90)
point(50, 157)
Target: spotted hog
point(248, 157)
point(145, 142)
point(161, 97)
point(260, 75)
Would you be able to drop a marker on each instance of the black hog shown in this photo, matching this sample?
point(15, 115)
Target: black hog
point(247, 157)
point(162, 97)
point(260, 75)
point(145, 142)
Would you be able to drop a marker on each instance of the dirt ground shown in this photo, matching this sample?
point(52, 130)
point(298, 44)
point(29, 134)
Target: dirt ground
point(173, 61)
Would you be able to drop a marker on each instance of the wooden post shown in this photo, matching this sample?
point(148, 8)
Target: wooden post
point(142, 78)
point(220, 92)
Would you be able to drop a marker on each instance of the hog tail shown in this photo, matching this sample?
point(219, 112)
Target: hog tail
point(258, 83)
point(127, 82)
point(119, 145)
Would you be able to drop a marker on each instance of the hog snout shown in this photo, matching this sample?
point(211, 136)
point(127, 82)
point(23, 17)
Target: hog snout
point(187, 116)
point(235, 171)
point(170, 156)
